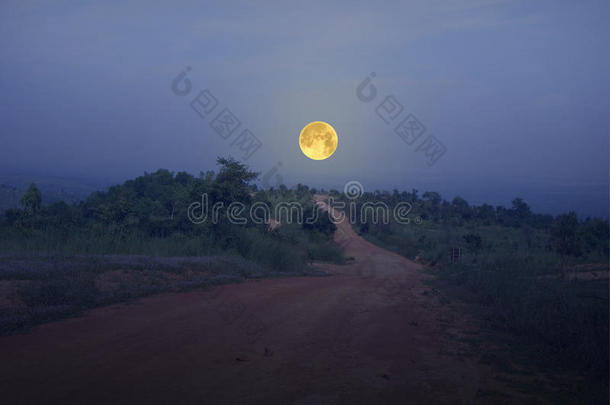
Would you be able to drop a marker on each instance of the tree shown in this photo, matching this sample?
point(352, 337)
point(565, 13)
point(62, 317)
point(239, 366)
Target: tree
point(232, 181)
point(414, 196)
point(461, 208)
point(486, 213)
point(31, 200)
point(595, 235)
point(322, 223)
point(432, 196)
point(563, 235)
point(521, 210)
point(431, 204)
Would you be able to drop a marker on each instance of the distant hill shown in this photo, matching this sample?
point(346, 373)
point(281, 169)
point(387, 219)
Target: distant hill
point(53, 189)
point(9, 197)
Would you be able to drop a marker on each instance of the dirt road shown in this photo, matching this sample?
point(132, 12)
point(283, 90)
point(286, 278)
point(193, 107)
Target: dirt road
point(371, 333)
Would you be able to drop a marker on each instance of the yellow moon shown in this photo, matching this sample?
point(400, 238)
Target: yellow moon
point(318, 140)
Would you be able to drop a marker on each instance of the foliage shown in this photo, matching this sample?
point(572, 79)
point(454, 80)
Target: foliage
point(148, 215)
point(31, 200)
point(564, 236)
point(514, 266)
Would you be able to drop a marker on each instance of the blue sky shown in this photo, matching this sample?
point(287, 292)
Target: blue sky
point(517, 92)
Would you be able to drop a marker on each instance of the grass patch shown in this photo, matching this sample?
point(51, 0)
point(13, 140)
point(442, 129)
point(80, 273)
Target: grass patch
point(47, 288)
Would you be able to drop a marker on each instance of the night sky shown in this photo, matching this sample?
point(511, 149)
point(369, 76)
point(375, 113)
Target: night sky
point(516, 93)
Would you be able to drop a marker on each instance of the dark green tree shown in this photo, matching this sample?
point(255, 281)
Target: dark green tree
point(564, 237)
point(461, 208)
point(232, 181)
point(521, 210)
point(31, 200)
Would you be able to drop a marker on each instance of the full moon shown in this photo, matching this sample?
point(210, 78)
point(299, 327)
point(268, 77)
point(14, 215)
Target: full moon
point(318, 140)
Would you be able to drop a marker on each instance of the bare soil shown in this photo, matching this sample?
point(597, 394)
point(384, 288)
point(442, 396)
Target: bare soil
point(373, 332)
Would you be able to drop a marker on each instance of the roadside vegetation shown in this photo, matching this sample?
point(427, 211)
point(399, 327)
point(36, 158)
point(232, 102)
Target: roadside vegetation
point(544, 278)
point(55, 259)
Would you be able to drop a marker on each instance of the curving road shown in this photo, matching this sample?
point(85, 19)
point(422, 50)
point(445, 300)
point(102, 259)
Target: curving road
point(371, 333)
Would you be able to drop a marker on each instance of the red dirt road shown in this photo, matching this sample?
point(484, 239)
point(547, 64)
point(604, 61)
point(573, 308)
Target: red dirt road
point(371, 333)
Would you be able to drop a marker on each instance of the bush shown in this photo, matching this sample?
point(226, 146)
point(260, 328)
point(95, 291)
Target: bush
point(518, 295)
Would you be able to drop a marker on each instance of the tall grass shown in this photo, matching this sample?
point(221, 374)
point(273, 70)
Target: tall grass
point(50, 288)
point(567, 319)
point(518, 282)
point(288, 248)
